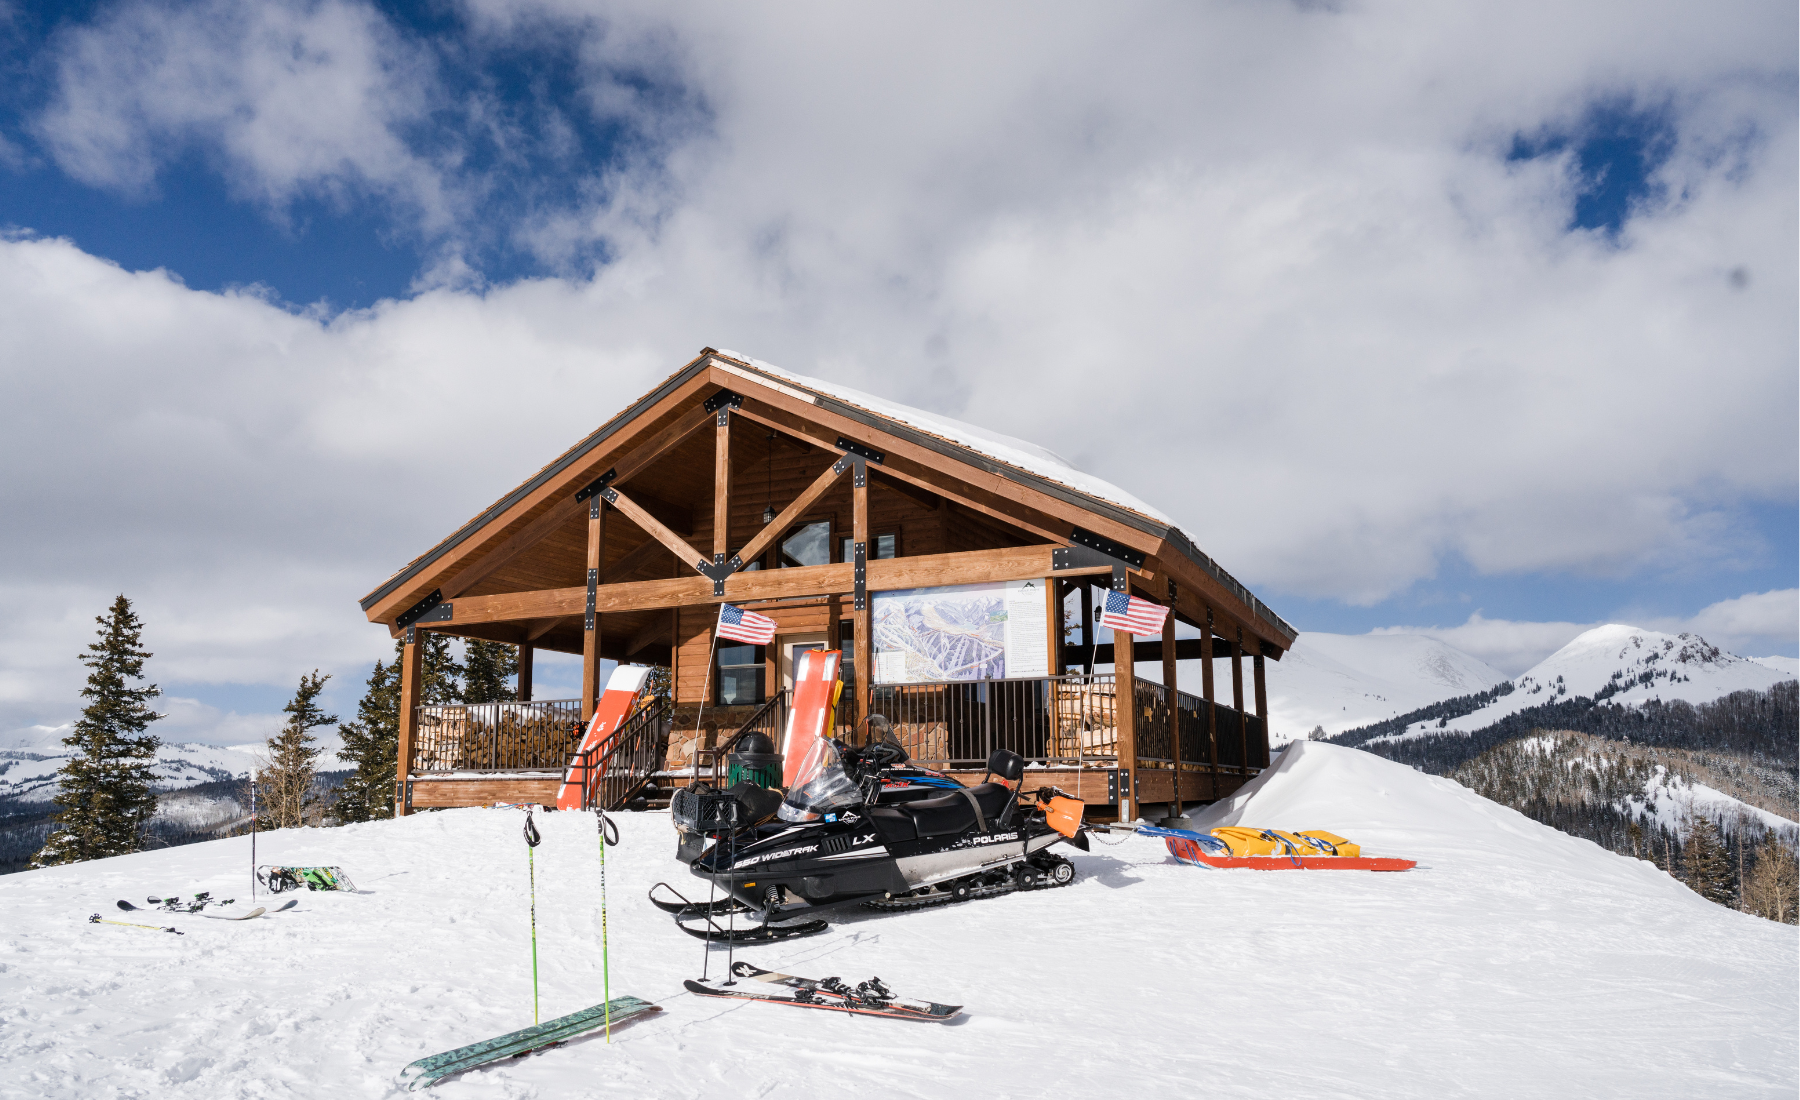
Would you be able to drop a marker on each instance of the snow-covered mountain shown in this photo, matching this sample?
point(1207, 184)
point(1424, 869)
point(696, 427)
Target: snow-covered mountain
point(1514, 961)
point(29, 774)
point(1343, 681)
point(1624, 665)
point(1789, 667)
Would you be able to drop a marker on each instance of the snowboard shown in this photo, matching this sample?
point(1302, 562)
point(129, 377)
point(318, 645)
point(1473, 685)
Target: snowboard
point(871, 998)
point(428, 1071)
point(278, 879)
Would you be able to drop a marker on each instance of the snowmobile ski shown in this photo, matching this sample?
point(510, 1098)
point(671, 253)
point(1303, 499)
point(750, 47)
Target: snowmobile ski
point(428, 1071)
point(755, 933)
point(279, 879)
point(870, 998)
point(686, 908)
point(256, 912)
point(98, 919)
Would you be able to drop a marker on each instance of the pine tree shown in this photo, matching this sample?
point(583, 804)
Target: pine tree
point(440, 673)
point(286, 781)
point(487, 668)
point(370, 744)
point(104, 790)
point(1773, 888)
point(1704, 863)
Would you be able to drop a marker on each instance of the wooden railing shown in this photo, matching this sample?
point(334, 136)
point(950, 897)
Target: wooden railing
point(490, 737)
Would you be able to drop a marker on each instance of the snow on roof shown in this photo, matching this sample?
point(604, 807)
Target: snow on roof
point(1018, 453)
point(1014, 452)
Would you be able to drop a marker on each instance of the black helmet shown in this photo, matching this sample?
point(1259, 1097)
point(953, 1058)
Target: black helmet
point(755, 741)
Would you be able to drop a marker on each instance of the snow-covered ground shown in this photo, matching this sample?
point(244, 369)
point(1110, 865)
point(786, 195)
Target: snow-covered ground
point(1646, 663)
point(1343, 681)
point(1515, 961)
point(1789, 667)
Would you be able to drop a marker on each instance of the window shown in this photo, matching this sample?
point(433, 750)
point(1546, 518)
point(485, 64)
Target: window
point(740, 676)
point(847, 663)
point(808, 544)
point(881, 546)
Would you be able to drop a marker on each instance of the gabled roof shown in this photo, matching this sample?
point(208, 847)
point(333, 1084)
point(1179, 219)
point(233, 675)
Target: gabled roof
point(1023, 463)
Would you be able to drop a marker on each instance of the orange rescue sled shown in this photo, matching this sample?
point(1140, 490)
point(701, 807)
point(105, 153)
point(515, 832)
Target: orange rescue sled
point(616, 705)
point(1272, 850)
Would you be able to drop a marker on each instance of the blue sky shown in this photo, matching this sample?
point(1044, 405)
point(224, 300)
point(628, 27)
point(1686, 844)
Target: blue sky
point(1496, 330)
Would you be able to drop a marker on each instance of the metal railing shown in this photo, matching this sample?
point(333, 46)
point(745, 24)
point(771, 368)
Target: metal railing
point(769, 720)
point(493, 737)
point(618, 767)
point(1049, 720)
point(1058, 721)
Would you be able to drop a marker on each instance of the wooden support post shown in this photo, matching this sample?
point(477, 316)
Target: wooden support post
point(722, 485)
point(590, 639)
point(523, 694)
point(1169, 673)
point(864, 623)
point(1087, 627)
point(411, 675)
point(1262, 703)
point(1237, 698)
point(1125, 714)
point(1053, 623)
point(1206, 691)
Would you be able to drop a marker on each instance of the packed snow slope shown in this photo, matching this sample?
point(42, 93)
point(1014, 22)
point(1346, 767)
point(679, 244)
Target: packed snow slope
point(1344, 681)
point(1515, 961)
point(1625, 665)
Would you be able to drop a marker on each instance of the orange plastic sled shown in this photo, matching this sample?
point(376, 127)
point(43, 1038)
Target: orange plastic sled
point(622, 692)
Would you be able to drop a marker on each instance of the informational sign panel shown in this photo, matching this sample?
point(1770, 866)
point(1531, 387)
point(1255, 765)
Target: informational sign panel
point(961, 632)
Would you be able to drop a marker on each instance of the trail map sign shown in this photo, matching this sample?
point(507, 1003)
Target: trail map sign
point(961, 632)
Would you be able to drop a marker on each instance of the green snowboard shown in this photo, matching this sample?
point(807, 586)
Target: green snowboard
point(428, 1071)
point(279, 879)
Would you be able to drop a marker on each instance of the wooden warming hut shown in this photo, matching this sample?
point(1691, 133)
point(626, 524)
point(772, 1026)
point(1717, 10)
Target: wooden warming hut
point(956, 570)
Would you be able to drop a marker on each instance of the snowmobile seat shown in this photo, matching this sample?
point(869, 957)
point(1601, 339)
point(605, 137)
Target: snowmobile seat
point(954, 813)
point(894, 825)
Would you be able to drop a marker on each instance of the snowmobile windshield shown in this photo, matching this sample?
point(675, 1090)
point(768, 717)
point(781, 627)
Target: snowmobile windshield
point(822, 787)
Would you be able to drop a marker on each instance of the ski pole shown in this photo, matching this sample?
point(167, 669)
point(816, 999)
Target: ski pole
point(252, 836)
point(606, 826)
point(531, 842)
point(98, 919)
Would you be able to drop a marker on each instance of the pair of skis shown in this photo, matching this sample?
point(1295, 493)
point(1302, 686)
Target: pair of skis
point(279, 879)
point(870, 998)
point(257, 912)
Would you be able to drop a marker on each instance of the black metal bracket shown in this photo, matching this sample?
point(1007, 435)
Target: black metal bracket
point(1081, 536)
point(418, 611)
point(724, 399)
point(859, 450)
point(718, 569)
point(1173, 593)
point(1082, 557)
point(1112, 786)
point(594, 487)
point(593, 592)
point(408, 785)
point(411, 636)
point(862, 570)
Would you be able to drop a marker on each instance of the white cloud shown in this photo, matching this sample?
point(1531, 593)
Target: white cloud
point(1265, 266)
point(1748, 624)
point(290, 98)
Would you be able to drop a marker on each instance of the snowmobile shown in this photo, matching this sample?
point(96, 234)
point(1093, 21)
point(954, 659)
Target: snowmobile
point(854, 828)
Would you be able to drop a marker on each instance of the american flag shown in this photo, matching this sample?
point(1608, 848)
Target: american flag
point(1130, 614)
point(745, 626)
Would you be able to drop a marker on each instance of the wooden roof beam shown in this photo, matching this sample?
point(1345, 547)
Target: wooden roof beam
point(884, 574)
point(566, 507)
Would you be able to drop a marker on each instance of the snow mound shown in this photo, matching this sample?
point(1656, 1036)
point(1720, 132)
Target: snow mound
point(1344, 681)
point(1625, 665)
point(1516, 961)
